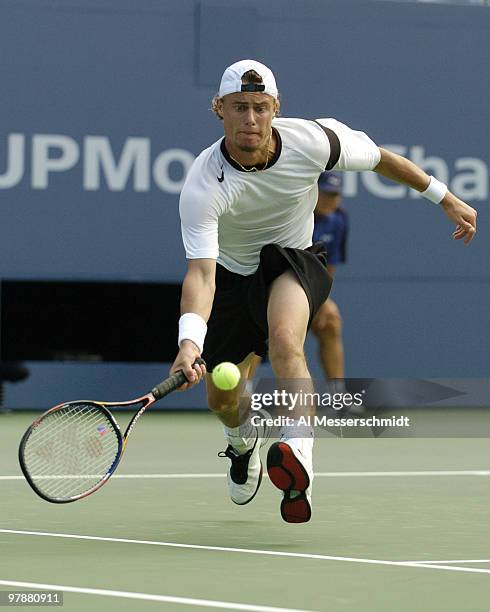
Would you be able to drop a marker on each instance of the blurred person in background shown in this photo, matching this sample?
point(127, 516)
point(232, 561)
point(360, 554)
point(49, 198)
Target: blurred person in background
point(331, 228)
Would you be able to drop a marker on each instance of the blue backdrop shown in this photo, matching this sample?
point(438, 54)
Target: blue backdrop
point(105, 104)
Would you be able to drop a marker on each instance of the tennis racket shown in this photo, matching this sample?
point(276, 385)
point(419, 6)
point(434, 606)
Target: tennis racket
point(73, 449)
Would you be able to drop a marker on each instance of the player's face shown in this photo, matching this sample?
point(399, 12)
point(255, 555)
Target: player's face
point(247, 120)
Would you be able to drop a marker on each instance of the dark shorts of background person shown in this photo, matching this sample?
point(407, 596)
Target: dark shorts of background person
point(238, 322)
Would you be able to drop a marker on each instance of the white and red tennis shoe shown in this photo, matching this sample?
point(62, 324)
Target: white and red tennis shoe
point(290, 468)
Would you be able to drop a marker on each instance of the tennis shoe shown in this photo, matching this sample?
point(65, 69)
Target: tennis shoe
point(245, 472)
point(290, 468)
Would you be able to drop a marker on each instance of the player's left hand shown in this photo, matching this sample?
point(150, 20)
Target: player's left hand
point(463, 215)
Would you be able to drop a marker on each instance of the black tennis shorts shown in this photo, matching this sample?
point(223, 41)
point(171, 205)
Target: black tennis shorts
point(238, 322)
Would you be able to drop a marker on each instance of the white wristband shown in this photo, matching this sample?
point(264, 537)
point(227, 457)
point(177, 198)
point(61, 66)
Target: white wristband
point(435, 192)
point(192, 327)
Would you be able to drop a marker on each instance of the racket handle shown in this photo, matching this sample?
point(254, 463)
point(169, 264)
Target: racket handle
point(172, 382)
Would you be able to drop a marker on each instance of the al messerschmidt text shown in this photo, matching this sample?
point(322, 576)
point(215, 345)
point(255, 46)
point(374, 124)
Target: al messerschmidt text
point(324, 421)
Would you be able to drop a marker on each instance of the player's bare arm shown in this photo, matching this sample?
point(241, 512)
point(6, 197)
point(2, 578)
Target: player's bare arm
point(196, 302)
point(402, 170)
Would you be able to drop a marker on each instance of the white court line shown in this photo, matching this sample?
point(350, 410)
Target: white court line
point(204, 603)
point(134, 476)
point(444, 562)
point(420, 473)
point(251, 551)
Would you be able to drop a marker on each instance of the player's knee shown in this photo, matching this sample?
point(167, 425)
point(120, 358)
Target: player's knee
point(284, 345)
point(219, 401)
point(223, 402)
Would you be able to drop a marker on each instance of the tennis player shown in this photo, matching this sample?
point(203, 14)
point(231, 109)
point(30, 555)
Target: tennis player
point(253, 282)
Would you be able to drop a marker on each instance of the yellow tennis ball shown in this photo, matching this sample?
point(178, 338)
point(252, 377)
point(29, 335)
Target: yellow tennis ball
point(226, 376)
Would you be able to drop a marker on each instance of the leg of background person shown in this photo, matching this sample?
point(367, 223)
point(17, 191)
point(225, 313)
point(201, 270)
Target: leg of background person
point(327, 327)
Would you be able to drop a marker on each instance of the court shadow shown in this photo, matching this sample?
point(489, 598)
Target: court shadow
point(252, 534)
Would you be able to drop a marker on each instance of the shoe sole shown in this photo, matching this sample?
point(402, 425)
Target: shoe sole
point(255, 492)
point(288, 474)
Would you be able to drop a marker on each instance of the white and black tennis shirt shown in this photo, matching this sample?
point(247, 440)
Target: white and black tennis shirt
point(229, 214)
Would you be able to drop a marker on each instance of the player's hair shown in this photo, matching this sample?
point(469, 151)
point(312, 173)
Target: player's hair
point(248, 78)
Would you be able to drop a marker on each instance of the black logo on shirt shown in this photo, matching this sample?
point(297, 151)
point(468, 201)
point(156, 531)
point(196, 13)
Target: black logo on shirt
point(222, 177)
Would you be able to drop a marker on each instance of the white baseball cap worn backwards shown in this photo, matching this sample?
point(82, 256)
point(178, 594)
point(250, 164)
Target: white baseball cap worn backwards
point(231, 81)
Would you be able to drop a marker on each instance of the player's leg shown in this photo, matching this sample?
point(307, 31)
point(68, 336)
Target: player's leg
point(255, 363)
point(244, 439)
point(289, 461)
point(226, 404)
point(288, 312)
point(233, 336)
point(327, 327)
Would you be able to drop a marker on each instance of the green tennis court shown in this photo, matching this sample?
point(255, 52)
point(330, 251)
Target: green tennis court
point(398, 524)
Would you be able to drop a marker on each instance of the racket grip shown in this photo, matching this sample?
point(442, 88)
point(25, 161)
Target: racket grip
point(172, 382)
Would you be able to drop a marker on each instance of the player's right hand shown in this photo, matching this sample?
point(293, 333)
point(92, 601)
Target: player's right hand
point(184, 361)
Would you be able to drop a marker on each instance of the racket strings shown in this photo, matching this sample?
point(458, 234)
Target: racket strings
point(66, 469)
point(52, 456)
point(45, 436)
point(71, 450)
